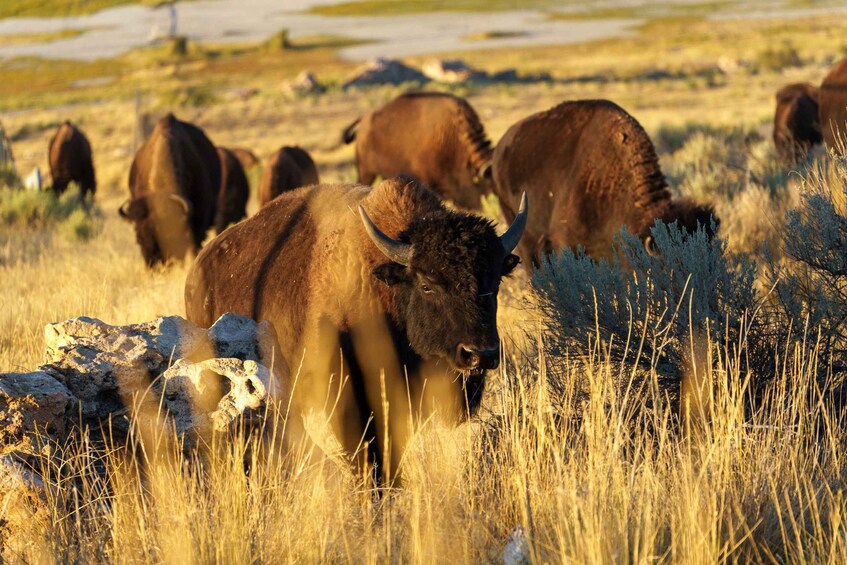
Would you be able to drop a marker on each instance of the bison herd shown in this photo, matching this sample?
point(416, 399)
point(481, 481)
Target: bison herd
point(807, 115)
point(385, 296)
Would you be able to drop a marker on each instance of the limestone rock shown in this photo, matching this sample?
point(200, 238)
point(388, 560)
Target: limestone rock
point(31, 404)
point(213, 394)
point(111, 370)
point(305, 83)
point(384, 71)
point(25, 509)
point(451, 71)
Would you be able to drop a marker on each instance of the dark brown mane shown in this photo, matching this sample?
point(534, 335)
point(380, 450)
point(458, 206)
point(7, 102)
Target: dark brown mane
point(479, 145)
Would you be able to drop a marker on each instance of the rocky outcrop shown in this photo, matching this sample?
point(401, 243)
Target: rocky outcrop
point(305, 83)
point(384, 71)
point(101, 377)
point(451, 71)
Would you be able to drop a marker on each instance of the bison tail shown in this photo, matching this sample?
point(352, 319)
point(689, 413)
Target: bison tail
point(349, 133)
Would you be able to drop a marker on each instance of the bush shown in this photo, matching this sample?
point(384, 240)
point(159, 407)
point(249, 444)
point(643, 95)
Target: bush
point(781, 57)
point(71, 215)
point(811, 279)
point(9, 178)
point(645, 313)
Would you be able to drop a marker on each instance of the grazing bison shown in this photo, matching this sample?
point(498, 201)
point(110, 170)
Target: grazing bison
point(70, 160)
point(796, 128)
point(405, 288)
point(174, 183)
point(435, 137)
point(246, 157)
point(234, 191)
point(832, 106)
point(287, 169)
point(589, 169)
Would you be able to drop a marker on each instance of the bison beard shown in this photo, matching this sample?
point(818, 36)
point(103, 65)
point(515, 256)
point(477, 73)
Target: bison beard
point(405, 321)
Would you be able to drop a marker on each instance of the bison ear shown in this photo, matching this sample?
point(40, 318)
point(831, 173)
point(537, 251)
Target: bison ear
point(391, 273)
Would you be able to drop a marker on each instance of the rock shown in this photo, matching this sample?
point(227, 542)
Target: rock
point(110, 369)
point(305, 83)
point(25, 509)
point(33, 406)
point(384, 71)
point(451, 71)
point(516, 551)
point(192, 393)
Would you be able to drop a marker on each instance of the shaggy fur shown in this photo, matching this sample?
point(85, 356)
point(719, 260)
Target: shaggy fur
point(796, 128)
point(832, 110)
point(234, 191)
point(287, 169)
point(306, 263)
point(70, 160)
point(177, 160)
point(435, 137)
point(589, 168)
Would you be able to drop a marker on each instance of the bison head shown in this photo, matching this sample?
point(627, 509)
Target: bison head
point(162, 226)
point(445, 270)
point(796, 126)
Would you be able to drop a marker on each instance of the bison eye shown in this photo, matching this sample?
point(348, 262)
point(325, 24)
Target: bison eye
point(426, 288)
point(510, 263)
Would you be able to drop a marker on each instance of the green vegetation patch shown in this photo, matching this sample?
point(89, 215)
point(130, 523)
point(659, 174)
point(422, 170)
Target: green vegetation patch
point(28, 38)
point(53, 8)
point(494, 34)
point(398, 7)
point(71, 215)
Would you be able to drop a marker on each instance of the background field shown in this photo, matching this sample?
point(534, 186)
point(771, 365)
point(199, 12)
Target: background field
point(610, 478)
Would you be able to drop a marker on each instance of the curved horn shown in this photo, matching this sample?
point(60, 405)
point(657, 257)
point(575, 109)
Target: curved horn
point(123, 210)
point(182, 201)
point(513, 235)
point(396, 251)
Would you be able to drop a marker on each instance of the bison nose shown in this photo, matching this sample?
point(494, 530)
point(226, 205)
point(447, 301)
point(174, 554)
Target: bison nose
point(471, 357)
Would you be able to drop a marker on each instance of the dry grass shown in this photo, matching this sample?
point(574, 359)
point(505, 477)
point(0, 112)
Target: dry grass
point(605, 477)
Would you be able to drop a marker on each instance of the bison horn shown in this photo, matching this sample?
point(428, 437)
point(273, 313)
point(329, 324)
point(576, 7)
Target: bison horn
point(182, 201)
point(124, 209)
point(397, 251)
point(513, 235)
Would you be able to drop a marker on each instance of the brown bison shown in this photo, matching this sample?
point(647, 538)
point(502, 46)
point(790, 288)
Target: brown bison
point(435, 137)
point(174, 183)
point(70, 160)
point(405, 288)
point(589, 168)
point(246, 157)
point(234, 191)
point(287, 169)
point(832, 106)
point(796, 128)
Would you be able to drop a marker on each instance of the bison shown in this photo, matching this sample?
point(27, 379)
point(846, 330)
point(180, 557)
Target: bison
point(287, 169)
point(832, 106)
point(246, 157)
point(234, 191)
point(174, 183)
point(590, 169)
point(796, 128)
point(435, 137)
point(384, 286)
point(70, 160)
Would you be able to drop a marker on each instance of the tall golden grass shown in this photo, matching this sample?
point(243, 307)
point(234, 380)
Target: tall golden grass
point(614, 475)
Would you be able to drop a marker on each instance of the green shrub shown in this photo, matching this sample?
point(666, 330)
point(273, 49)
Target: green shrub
point(645, 312)
point(73, 216)
point(9, 178)
point(811, 279)
point(780, 57)
point(195, 96)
